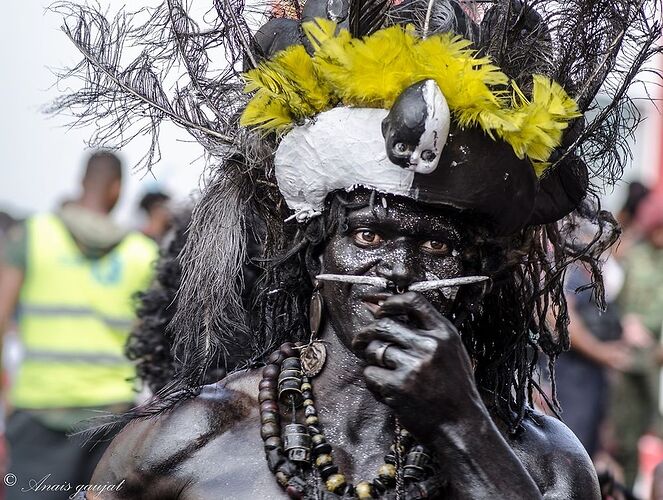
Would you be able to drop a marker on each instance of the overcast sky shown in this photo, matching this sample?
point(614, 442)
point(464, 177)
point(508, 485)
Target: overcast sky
point(42, 159)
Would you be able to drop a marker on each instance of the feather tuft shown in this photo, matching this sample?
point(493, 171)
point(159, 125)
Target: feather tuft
point(374, 70)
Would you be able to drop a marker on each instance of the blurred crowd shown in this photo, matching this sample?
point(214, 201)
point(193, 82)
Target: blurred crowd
point(68, 281)
point(609, 383)
point(68, 285)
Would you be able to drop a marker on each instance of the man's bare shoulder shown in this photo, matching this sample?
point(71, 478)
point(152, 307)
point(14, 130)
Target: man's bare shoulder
point(149, 451)
point(555, 458)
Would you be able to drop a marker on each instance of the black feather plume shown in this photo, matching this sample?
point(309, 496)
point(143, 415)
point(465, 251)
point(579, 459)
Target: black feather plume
point(367, 16)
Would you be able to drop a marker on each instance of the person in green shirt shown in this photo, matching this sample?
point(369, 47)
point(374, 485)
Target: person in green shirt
point(70, 277)
point(635, 407)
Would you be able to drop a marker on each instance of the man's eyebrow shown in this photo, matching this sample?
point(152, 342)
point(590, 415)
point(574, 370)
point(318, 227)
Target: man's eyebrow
point(445, 229)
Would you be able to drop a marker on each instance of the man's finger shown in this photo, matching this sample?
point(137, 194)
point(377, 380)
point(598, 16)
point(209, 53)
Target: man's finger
point(382, 383)
point(388, 330)
point(414, 306)
point(387, 355)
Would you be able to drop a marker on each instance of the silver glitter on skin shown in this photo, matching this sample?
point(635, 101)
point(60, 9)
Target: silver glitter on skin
point(402, 258)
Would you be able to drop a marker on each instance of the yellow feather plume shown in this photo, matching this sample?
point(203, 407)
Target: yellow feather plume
point(319, 31)
point(374, 70)
point(542, 121)
point(266, 113)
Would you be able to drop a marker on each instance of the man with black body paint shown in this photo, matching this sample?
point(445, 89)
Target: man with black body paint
point(210, 447)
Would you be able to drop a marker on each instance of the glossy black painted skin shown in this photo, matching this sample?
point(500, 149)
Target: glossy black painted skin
point(210, 447)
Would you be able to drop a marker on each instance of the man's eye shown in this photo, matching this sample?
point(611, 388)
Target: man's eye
point(366, 238)
point(437, 247)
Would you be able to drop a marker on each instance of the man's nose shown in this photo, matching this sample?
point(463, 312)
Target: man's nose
point(399, 267)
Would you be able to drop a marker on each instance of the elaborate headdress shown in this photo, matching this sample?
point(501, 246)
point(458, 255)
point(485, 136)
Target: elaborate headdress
point(486, 106)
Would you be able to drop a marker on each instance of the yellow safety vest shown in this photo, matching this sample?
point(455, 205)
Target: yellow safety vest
point(74, 317)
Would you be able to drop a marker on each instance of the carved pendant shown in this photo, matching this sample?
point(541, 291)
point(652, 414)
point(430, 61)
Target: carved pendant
point(313, 357)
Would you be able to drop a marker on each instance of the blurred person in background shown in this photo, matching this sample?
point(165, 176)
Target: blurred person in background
point(72, 275)
point(583, 385)
point(582, 375)
point(635, 409)
point(7, 221)
point(159, 215)
point(636, 194)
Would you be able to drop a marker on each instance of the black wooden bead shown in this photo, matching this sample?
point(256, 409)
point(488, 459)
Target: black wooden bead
point(288, 350)
point(291, 364)
point(269, 417)
point(270, 430)
point(266, 395)
point(271, 371)
point(328, 470)
point(321, 449)
point(276, 357)
point(379, 486)
point(275, 459)
point(273, 443)
point(313, 430)
point(348, 490)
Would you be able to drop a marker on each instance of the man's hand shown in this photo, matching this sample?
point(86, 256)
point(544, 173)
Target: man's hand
point(636, 334)
point(425, 373)
point(616, 355)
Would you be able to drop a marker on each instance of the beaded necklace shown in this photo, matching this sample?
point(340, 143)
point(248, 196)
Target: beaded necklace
point(295, 449)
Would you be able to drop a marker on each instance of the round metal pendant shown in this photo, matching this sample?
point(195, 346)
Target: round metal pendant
point(313, 357)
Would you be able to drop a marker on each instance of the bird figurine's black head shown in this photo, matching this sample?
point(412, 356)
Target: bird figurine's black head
point(417, 126)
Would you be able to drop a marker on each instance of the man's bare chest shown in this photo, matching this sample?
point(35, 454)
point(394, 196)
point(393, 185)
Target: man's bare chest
point(235, 468)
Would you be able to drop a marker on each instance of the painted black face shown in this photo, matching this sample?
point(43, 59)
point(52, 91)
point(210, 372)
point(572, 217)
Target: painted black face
point(405, 242)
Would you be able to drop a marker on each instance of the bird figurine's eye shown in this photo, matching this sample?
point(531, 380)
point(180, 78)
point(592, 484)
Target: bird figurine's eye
point(428, 155)
point(401, 147)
